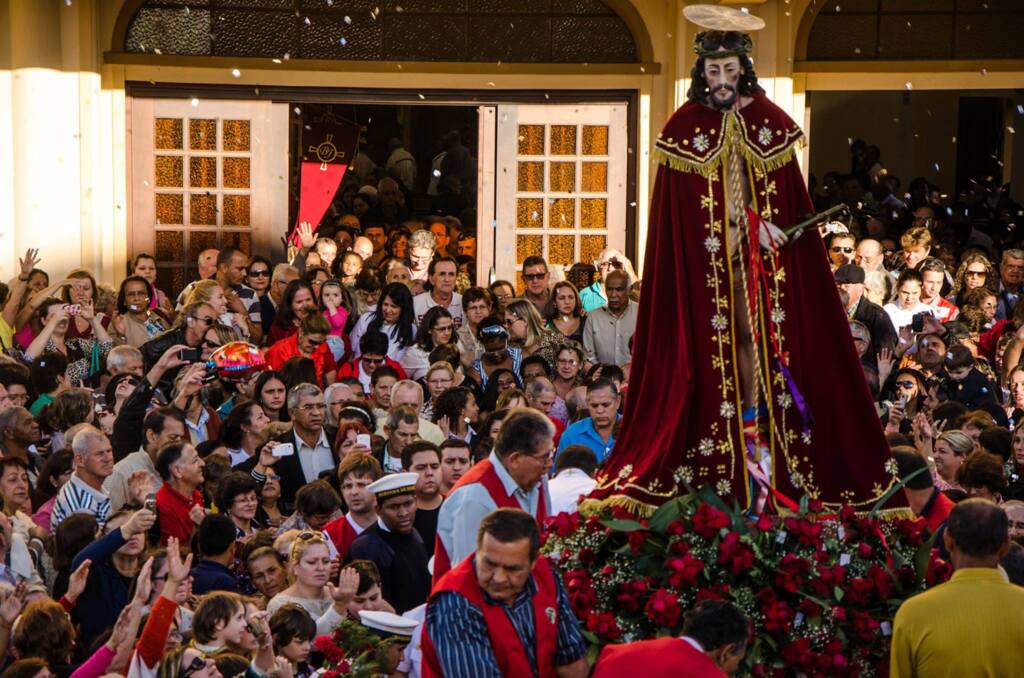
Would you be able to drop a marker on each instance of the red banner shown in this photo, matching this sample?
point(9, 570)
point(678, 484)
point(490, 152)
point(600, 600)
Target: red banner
point(328, 150)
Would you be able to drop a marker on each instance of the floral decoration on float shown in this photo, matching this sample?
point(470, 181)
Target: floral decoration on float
point(821, 590)
point(352, 651)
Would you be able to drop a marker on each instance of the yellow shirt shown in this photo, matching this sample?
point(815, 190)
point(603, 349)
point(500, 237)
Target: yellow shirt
point(970, 627)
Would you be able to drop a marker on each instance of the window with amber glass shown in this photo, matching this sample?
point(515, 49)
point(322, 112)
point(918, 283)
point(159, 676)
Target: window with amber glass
point(202, 184)
point(561, 192)
point(520, 31)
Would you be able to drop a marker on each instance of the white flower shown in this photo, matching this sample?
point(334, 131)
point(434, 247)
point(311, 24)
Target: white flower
point(712, 244)
point(764, 136)
point(797, 479)
point(707, 446)
point(723, 487)
point(784, 400)
point(778, 315)
point(727, 410)
point(806, 437)
point(700, 142)
point(719, 322)
point(683, 474)
point(890, 467)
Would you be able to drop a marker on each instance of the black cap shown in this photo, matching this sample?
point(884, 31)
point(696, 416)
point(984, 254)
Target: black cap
point(850, 274)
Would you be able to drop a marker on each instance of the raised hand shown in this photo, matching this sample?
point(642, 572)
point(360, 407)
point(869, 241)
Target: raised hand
point(345, 591)
point(306, 235)
point(29, 262)
point(13, 604)
point(88, 312)
point(197, 513)
point(77, 581)
point(177, 569)
point(143, 584)
point(139, 523)
point(140, 485)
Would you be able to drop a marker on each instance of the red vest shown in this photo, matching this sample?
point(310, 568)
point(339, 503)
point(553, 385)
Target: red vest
point(661, 658)
point(508, 648)
point(342, 534)
point(483, 473)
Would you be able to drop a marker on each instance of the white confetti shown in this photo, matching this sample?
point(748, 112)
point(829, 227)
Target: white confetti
point(287, 56)
point(436, 173)
point(984, 71)
point(936, 166)
point(236, 73)
point(298, 111)
point(1011, 130)
point(307, 21)
point(491, 84)
point(1020, 108)
point(908, 85)
point(421, 96)
point(398, 8)
point(342, 41)
point(276, 61)
point(347, 20)
point(156, 50)
point(195, 103)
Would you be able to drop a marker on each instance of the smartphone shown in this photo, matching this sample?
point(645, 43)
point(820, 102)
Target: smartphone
point(363, 439)
point(917, 321)
point(903, 401)
point(189, 355)
point(73, 309)
point(254, 628)
point(283, 450)
point(150, 503)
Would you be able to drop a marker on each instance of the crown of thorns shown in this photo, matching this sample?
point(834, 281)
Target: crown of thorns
point(720, 44)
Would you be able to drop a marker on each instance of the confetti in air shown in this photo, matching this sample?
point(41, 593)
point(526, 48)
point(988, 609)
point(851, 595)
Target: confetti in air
point(236, 73)
point(347, 20)
point(195, 103)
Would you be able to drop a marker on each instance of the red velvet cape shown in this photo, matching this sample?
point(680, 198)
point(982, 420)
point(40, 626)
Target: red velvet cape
point(683, 414)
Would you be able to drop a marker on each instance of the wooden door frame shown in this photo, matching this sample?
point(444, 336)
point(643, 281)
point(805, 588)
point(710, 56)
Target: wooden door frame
point(430, 97)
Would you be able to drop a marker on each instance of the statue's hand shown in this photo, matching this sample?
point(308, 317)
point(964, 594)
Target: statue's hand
point(771, 236)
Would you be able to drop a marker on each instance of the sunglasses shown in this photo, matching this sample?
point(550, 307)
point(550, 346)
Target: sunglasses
point(493, 331)
point(905, 384)
point(510, 323)
point(198, 662)
point(309, 535)
point(259, 274)
point(979, 274)
point(533, 276)
point(374, 361)
point(211, 344)
point(844, 250)
point(316, 343)
point(206, 321)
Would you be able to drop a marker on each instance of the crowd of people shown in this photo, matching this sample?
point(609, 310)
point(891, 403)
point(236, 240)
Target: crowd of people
point(412, 432)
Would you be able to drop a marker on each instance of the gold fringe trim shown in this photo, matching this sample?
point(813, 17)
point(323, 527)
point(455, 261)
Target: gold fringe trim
point(591, 506)
point(710, 167)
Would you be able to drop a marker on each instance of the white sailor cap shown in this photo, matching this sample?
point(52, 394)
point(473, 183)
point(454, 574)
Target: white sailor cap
point(393, 485)
point(388, 624)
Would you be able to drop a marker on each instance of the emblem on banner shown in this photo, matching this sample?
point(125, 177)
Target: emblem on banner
point(327, 152)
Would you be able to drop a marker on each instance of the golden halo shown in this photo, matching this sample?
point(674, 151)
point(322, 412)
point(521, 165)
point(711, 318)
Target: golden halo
point(720, 18)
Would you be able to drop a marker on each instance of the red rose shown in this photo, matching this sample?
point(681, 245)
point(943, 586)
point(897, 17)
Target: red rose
point(864, 625)
point(734, 553)
point(765, 522)
point(676, 528)
point(637, 539)
point(809, 608)
point(716, 592)
point(847, 513)
point(334, 654)
point(580, 589)
point(607, 570)
point(344, 667)
point(322, 643)
point(859, 591)
point(839, 614)
point(603, 625)
point(663, 608)
point(882, 581)
point(815, 506)
point(622, 513)
point(777, 615)
point(565, 524)
point(912, 530)
point(796, 652)
point(683, 571)
point(708, 521)
point(333, 673)
point(791, 571)
point(630, 593)
point(864, 550)
point(938, 569)
point(679, 548)
point(586, 555)
point(828, 579)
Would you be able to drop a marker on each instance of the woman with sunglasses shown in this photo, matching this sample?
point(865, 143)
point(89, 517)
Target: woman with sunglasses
point(310, 342)
point(975, 271)
point(257, 276)
point(436, 329)
point(136, 321)
point(497, 354)
point(526, 330)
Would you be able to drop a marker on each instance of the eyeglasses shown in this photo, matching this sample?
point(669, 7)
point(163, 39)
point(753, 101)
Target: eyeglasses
point(974, 274)
point(198, 662)
point(844, 250)
point(374, 361)
point(531, 277)
point(905, 384)
point(205, 320)
point(510, 323)
point(570, 362)
point(309, 407)
point(543, 456)
point(265, 273)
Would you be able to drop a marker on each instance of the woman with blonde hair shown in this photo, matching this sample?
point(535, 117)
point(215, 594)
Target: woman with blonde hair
point(526, 330)
point(309, 567)
point(210, 292)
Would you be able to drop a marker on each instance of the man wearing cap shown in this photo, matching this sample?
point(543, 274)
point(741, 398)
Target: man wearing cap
point(393, 545)
point(389, 626)
point(850, 278)
point(513, 476)
point(503, 611)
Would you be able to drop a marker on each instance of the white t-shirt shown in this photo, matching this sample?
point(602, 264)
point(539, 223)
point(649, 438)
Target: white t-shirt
point(422, 303)
point(903, 317)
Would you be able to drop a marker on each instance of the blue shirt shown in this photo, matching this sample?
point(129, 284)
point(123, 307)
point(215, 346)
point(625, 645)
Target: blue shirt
point(592, 297)
point(210, 576)
point(459, 632)
point(584, 433)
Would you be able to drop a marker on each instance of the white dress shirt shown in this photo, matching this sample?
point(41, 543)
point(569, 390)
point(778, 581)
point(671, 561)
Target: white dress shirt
point(314, 460)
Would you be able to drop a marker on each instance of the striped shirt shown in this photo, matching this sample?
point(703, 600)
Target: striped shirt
point(459, 632)
point(77, 497)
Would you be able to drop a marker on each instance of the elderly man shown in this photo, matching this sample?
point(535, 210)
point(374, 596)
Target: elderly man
point(422, 244)
point(481, 618)
point(207, 267)
point(83, 493)
point(541, 395)
point(124, 359)
point(850, 278)
point(401, 430)
point(1011, 278)
point(608, 329)
point(982, 615)
point(179, 501)
point(513, 476)
point(870, 255)
point(363, 246)
point(408, 392)
point(161, 426)
point(597, 431)
point(311, 441)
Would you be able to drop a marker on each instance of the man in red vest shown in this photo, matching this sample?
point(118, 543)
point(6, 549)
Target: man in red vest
point(714, 641)
point(503, 611)
point(355, 474)
point(513, 476)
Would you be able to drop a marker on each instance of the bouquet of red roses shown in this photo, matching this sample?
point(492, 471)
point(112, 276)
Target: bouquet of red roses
point(820, 590)
point(352, 650)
